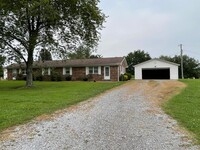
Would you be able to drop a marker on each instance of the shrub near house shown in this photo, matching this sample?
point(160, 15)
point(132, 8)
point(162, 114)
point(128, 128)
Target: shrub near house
point(99, 69)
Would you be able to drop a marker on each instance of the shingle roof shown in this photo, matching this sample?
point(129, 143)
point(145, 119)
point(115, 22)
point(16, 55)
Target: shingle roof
point(73, 63)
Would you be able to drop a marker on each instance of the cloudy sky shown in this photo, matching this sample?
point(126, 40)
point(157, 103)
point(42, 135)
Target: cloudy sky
point(156, 26)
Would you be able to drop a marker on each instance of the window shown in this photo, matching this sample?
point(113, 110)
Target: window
point(14, 72)
point(90, 70)
point(67, 71)
point(93, 70)
point(45, 71)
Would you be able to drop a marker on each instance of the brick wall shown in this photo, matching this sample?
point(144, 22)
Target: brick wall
point(114, 73)
point(10, 77)
point(78, 73)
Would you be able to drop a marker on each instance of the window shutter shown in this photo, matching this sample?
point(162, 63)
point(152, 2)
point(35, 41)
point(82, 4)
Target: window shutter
point(64, 71)
point(49, 71)
point(86, 70)
point(99, 70)
point(70, 71)
point(42, 71)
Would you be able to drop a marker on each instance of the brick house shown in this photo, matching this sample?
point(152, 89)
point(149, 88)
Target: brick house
point(98, 69)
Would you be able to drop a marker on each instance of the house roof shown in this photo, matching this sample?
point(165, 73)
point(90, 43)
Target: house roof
point(157, 59)
point(111, 61)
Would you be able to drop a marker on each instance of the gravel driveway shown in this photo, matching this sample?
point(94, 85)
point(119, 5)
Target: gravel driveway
point(125, 118)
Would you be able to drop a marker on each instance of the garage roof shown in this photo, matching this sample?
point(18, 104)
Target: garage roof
point(165, 61)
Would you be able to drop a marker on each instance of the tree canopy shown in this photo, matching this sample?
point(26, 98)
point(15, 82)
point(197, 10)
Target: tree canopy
point(191, 67)
point(44, 55)
point(82, 52)
point(136, 57)
point(28, 26)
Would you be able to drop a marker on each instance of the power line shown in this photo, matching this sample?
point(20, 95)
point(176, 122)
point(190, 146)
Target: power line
point(192, 52)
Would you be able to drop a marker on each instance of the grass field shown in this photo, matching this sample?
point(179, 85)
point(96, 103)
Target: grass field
point(185, 107)
point(19, 104)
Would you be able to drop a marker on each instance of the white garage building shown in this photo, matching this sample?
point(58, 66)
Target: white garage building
point(156, 69)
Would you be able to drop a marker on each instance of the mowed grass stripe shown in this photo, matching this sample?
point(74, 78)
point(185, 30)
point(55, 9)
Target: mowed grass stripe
point(185, 107)
point(19, 104)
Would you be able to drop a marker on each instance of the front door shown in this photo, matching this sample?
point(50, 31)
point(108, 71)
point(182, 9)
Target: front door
point(107, 72)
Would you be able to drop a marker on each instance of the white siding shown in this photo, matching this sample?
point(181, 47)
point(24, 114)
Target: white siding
point(123, 69)
point(156, 64)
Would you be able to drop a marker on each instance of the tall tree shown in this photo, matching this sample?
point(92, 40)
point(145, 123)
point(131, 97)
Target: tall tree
point(191, 67)
point(27, 25)
point(81, 52)
point(44, 55)
point(2, 61)
point(136, 57)
point(96, 56)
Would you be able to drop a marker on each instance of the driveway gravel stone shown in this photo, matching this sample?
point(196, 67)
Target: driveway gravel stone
point(124, 118)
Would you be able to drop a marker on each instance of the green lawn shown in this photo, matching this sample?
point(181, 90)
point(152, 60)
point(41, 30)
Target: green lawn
point(19, 104)
point(185, 107)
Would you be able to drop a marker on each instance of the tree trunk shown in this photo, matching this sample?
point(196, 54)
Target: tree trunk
point(29, 71)
point(29, 64)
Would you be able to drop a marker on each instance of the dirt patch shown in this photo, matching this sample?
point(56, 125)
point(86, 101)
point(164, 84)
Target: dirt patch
point(155, 91)
point(159, 92)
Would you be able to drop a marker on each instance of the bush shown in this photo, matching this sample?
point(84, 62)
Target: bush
point(68, 78)
point(21, 77)
point(37, 75)
point(123, 77)
point(55, 76)
point(129, 75)
point(85, 78)
point(38, 78)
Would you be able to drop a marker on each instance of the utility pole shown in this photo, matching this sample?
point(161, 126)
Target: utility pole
point(181, 48)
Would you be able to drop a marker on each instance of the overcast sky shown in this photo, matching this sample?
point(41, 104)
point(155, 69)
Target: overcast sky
point(156, 26)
